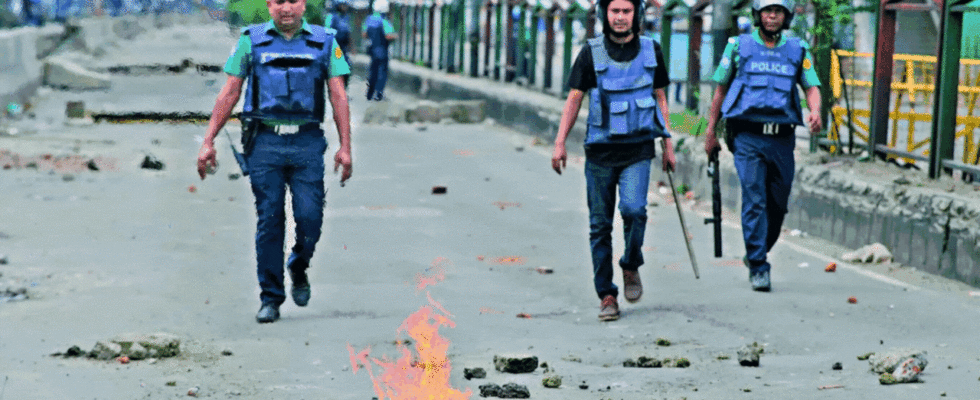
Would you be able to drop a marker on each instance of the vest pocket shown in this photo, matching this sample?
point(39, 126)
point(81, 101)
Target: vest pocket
point(645, 113)
point(272, 88)
point(619, 117)
point(301, 87)
point(731, 98)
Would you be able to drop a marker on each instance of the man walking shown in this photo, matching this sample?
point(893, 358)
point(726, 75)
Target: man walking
point(624, 73)
point(287, 62)
point(339, 21)
point(380, 32)
point(757, 96)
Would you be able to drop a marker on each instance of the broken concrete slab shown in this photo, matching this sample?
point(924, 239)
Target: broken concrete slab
point(748, 355)
point(872, 253)
point(64, 74)
point(464, 111)
point(424, 111)
point(515, 364)
point(105, 350)
point(889, 361)
point(151, 162)
point(470, 373)
point(551, 381)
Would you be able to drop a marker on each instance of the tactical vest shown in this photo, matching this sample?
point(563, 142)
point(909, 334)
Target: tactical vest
point(287, 77)
point(340, 23)
point(621, 106)
point(764, 88)
point(376, 32)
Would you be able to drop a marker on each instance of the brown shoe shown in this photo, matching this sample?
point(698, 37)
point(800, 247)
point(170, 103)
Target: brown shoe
point(632, 288)
point(609, 310)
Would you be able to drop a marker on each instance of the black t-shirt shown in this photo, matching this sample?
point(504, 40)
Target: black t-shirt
point(583, 77)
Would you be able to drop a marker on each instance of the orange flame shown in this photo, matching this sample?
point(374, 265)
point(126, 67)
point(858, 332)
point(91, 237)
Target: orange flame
point(424, 375)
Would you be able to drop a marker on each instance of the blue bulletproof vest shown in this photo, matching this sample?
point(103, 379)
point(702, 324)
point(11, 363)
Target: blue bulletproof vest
point(621, 107)
point(341, 24)
point(287, 77)
point(376, 32)
point(764, 88)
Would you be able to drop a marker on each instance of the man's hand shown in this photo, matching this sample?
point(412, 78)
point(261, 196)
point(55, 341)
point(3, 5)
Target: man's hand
point(711, 144)
point(669, 160)
point(207, 159)
point(814, 121)
point(559, 158)
point(342, 158)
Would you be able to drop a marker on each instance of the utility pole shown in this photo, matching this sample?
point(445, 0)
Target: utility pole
point(474, 37)
point(721, 24)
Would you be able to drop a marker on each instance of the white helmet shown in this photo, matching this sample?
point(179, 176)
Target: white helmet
point(381, 6)
point(758, 5)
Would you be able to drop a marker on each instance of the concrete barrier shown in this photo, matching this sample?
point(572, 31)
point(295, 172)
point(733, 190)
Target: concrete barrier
point(20, 69)
point(929, 229)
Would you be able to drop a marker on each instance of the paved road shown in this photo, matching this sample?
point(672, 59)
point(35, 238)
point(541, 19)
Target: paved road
point(130, 250)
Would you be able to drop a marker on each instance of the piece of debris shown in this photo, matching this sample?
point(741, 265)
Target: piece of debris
point(643, 362)
point(795, 232)
point(192, 188)
point(748, 355)
point(551, 382)
point(902, 180)
point(151, 162)
point(865, 356)
point(519, 149)
point(804, 265)
point(91, 165)
point(3, 259)
point(832, 267)
point(679, 362)
point(898, 359)
point(438, 190)
point(663, 342)
point(837, 366)
point(123, 360)
point(234, 176)
point(723, 356)
point(226, 352)
point(490, 390)
point(572, 358)
point(478, 373)
point(192, 392)
point(825, 387)
point(15, 294)
point(583, 386)
point(872, 253)
point(852, 300)
point(515, 364)
point(171, 383)
point(68, 177)
point(524, 315)
point(544, 270)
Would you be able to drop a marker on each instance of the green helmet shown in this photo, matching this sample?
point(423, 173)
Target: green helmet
point(758, 5)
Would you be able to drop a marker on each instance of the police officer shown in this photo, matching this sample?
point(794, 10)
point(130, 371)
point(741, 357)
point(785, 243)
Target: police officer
point(339, 21)
point(757, 96)
point(380, 32)
point(625, 76)
point(286, 62)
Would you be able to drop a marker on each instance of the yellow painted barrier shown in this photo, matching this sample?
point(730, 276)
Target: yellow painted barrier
point(913, 88)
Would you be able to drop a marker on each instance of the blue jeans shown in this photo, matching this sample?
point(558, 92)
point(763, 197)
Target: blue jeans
point(377, 78)
point(765, 168)
point(601, 185)
point(277, 161)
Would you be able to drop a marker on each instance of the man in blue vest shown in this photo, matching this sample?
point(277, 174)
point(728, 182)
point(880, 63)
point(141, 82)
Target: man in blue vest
point(287, 63)
point(339, 21)
point(625, 76)
point(757, 96)
point(380, 32)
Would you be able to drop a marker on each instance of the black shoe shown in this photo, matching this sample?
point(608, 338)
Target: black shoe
point(301, 288)
point(268, 313)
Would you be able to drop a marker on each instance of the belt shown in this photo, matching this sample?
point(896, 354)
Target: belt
point(289, 129)
point(760, 128)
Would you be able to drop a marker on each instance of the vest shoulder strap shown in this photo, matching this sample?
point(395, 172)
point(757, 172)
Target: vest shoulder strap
point(600, 57)
point(258, 34)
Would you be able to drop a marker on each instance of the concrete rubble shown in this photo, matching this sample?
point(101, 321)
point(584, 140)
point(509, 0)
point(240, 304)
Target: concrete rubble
point(551, 381)
point(131, 346)
point(478, 373)
point(507, 391)
point(427, 111)
point(748, 355)
point(872, 253)
point(899, 365)
point(515, 364)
